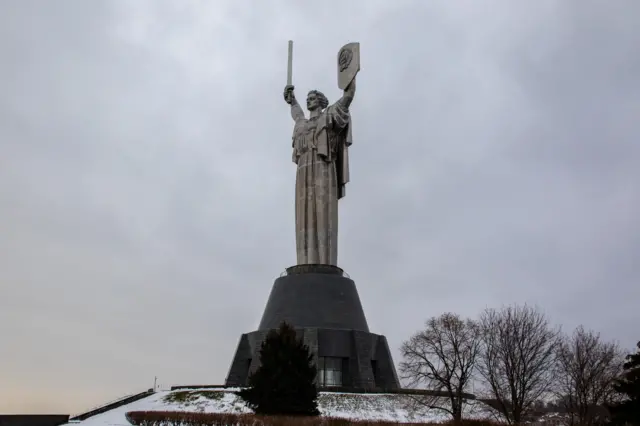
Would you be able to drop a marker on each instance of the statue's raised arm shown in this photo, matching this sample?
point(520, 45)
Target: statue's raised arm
point(289, 97)
point(348, 95)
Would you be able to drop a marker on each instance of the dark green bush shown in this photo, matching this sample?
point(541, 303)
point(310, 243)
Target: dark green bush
point(284, 382)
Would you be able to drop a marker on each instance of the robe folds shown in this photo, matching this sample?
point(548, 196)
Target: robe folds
point(320, 150)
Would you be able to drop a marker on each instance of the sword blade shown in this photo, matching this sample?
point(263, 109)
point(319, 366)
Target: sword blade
point(290, 63)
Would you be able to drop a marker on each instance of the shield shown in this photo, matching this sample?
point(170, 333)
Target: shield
point(348, 64)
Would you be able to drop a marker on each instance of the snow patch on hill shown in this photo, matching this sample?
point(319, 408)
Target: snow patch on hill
point(389, 407)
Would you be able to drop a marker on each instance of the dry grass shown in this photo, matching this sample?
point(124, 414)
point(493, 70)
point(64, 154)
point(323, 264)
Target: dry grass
point(191, 396)
point(171, 418)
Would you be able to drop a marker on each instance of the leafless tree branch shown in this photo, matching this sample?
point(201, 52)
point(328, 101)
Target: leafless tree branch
point(442, 358)
point(517, 359)
point(588, 369)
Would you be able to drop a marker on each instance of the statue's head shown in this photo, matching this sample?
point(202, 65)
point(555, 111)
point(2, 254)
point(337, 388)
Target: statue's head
point(316, 100)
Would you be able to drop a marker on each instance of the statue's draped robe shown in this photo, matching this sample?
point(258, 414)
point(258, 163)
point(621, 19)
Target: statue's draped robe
point(320, 149)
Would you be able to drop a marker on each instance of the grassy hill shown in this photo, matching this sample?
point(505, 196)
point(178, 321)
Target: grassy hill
point(388, 407)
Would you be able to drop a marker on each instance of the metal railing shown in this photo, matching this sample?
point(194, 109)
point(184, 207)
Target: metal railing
point(110, 405)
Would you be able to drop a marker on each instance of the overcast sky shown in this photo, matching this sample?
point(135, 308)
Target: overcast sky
point(146, 182)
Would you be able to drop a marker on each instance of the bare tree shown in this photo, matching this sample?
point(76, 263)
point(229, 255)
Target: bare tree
point(517, 359)
point(442, 358)
point(588, 369)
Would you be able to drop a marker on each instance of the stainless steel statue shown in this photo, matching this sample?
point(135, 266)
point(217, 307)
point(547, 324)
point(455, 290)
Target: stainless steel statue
point(320, 150)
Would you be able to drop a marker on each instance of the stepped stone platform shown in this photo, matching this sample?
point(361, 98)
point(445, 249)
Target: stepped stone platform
point(323, 305)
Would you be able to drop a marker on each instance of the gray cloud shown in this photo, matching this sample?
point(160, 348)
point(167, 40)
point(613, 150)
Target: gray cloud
point(146, 182)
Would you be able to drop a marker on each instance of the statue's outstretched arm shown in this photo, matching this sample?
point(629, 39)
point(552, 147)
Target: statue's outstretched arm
point(349, 93)
point(290, 98)
point(296, 111)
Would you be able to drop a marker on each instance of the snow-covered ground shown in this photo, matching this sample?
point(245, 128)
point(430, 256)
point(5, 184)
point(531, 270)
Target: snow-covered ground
point(391, 407)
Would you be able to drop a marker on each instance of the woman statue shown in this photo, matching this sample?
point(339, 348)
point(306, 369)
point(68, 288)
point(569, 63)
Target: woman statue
point(320, 146)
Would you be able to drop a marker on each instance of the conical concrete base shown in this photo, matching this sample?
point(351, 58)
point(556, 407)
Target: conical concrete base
point(324, 307)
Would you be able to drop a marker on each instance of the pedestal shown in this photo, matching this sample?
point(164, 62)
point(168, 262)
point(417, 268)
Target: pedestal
point(324, 307)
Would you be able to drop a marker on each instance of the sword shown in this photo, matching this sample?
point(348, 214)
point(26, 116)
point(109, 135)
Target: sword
point(290, 63)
